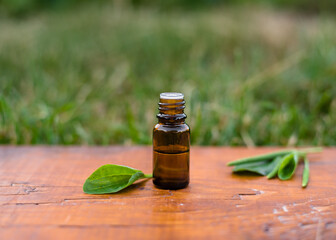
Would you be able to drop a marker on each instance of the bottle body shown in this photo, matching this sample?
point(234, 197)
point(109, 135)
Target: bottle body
point(171, 146)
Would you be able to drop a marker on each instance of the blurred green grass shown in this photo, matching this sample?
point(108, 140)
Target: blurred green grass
point(21, 8)
point(251, 76)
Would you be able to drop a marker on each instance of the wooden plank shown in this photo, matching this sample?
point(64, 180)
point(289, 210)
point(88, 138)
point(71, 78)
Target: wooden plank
point(41, 198)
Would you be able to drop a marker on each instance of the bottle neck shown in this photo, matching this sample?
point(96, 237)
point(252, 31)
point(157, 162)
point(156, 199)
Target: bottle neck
point(171, 111)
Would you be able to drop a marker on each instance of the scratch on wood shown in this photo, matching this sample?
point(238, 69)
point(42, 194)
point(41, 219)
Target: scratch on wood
point(319, 230)
point(285, 208)
point(22, 184)
point(248, 194)
point(322, 208)
point(26, 190)
point(240, 196)
point(86, 226)
point(285, 219)
point(255, 192)
point(13, 184)
point(236, 197)
point(328, 224)
point(75, 201)
point(258, 191)
point(267, 227)
point(307, 224)
point(240, 205)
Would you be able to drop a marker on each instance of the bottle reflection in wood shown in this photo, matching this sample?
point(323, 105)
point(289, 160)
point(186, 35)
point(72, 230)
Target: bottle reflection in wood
point(171, 143)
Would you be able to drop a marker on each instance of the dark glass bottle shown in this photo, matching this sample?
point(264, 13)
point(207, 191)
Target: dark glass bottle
point(171, 143)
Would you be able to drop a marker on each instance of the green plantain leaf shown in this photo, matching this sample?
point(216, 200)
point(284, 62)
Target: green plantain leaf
point(260, 158)
point(281, 163)
point(261, 167)
point(277, 163)
point(111, 178)
point(288, 166)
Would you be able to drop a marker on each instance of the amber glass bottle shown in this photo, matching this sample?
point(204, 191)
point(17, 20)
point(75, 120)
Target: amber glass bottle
point(171, 143)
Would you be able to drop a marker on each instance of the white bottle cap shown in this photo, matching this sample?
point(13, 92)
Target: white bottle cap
point(171, 95)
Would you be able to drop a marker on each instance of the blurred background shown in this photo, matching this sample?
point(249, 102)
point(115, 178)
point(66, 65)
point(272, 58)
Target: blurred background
point(90, 72)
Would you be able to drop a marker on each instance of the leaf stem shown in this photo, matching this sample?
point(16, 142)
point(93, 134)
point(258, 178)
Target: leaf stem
point(148, 175)
point(305, 175)
point(258, 158)
point(311, 150)
point(274, 172)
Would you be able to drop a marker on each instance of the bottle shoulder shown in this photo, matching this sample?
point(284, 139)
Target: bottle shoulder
point(172, 128)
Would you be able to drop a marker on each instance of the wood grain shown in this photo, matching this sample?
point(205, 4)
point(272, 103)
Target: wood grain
point(41, 198)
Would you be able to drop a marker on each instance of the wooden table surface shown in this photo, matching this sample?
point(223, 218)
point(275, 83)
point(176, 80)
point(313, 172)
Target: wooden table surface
point(41, 197)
